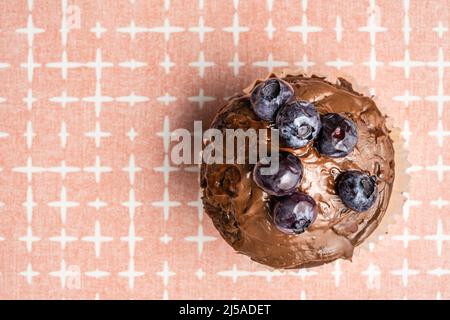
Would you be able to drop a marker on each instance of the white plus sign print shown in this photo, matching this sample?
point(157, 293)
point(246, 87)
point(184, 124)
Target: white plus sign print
point(91, 92)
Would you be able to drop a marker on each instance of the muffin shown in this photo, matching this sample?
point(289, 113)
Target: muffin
point(333, 181)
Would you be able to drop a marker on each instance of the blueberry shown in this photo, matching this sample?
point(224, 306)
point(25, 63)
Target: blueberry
point(338, 136)
point(357, 190)
point(267, 97)
point(298, 123)
point(283, 182)
point(293, 214)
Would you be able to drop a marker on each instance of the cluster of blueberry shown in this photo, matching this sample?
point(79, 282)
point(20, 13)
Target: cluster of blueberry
point(299, 124)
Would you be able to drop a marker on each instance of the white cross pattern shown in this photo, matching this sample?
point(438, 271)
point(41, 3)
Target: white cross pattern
point(304, 28)
point(97, 274)
point(407, 64)
point(63, 169)
point(63, 134)
point(132, 239)
point(413, 168)
point(236, 64)
point(97, 134)
point(97, 239)
point(63, 239)
point(166, 29)
point(407, 98)
point(439, 272)
point(167, 64)
point(132, 30)
point(270, 29)
point(97, 169)
point(201, 99)
point(166, 169)
point(132, 169)
point(339, 63)
point(63, 204)
point(29, 134)
point(98, 30)
point(440, 63)
point(201, 29)
point(198, 204)
point(201, 64)
point(201, 239)
point(166, 204)
point(30, 30)
point(440, 133)
point(165, 239)
point(29, 169)
point(29, 274)
point(98, 99)
point(132, 64)
point(405, 272)
point(29, 204)
point(132, 134)
point(440, 98)
point(30, 65)
point(373, 274)
point(439, 237)
point(234, 273)
point(440, 168)
point(304, 63)
point(64, 65)
point(29, 239)
point(440, 29)
point(64, 99)
point(373, 63)
point(405, 238)
point(29, 99)
point(99, 64)
point(270, 63)
point(166, 134)
point(132, 204)
point(97, 204)
point(200, 273)
point(4, 65)
point(440, 203)
point(132, 99)
point(236, 29)
point(166, 274)
point(131, 274)
point(166, 99)
point(406, 24)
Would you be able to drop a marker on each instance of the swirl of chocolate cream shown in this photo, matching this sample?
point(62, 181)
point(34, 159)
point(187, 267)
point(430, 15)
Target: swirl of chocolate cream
point(240, 210)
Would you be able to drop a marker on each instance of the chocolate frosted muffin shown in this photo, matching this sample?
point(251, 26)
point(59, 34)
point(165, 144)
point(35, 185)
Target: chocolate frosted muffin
point(334, 178)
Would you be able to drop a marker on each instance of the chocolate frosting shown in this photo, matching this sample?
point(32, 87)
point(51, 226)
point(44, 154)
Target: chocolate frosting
point(240, 210)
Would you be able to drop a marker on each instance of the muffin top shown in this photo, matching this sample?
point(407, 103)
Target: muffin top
point(336, 218)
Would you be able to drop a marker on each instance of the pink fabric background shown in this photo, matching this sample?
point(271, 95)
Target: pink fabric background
point(147, 227)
